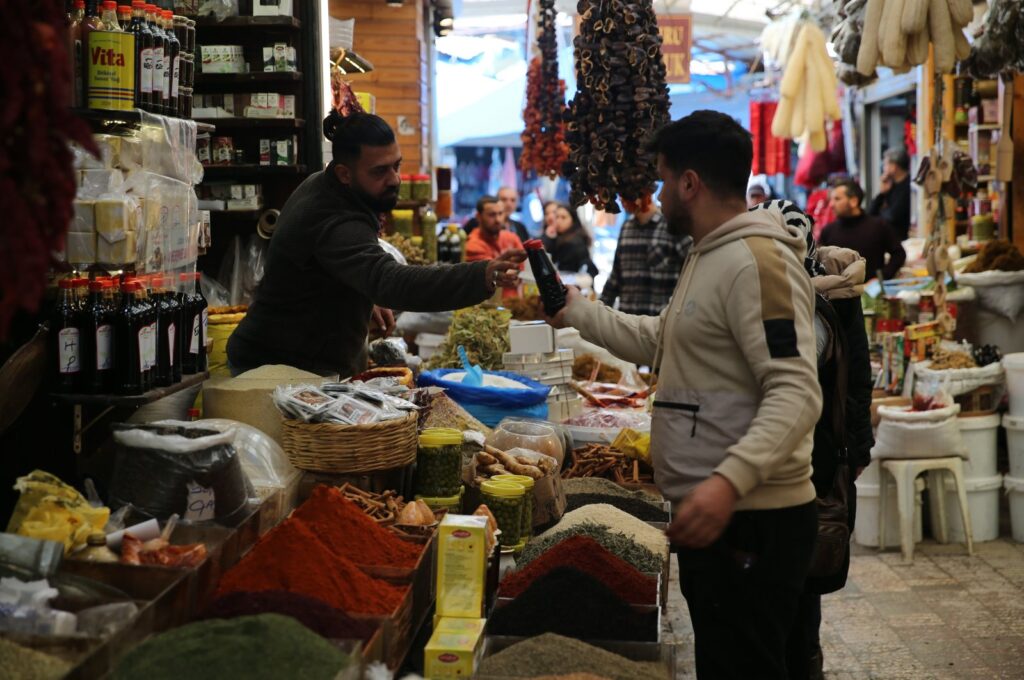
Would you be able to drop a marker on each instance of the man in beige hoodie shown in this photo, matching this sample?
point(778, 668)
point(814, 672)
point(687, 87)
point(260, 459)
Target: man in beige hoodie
point(737, 399)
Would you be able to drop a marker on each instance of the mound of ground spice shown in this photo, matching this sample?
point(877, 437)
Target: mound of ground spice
point(639, 508)
point(549, 654)
point(568, 602)
point(350, 533)
point(311, 612)
point(589, 556)
point(291, 557)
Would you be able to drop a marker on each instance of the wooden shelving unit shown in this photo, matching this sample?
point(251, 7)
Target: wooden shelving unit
point(277, 182)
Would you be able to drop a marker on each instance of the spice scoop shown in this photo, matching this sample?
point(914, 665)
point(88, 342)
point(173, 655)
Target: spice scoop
point(474, 374)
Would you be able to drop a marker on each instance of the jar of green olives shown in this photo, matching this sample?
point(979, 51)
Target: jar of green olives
point(505, 501)
point(526, 526)
point(439, 463)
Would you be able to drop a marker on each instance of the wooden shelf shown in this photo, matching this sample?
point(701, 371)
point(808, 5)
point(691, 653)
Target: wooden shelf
point(349, 62)
point(250, 22)
point(133, 400)
point(254, 123)
point(204, 80)
point(212, 172)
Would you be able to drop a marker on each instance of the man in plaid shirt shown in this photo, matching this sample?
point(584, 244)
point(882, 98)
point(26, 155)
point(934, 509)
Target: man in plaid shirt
point(647, 264)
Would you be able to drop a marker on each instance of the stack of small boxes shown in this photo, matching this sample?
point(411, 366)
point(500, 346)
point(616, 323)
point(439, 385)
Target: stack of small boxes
point(455, 647)
point(535, 355)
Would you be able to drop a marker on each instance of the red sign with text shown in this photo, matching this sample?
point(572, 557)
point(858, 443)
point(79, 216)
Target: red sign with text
point(677, 37)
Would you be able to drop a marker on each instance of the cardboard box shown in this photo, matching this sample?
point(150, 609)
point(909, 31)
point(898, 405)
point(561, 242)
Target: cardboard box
point(80, 248)
point(287, 106)
point(84, 220)
point(268, 58)
point(461, 566)
point(113, 218)
point(116, 252)
point(265, 152)
point(454, 649)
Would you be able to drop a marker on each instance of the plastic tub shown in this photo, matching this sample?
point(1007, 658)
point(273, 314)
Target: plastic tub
point(1015, 490)
point(1015, 444)
point(1014, 365)
point(451, 504)
point(980, 434)
point(865, 531)
point(983, 505)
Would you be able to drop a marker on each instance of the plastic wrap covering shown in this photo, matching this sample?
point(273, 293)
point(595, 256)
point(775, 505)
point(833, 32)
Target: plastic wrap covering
point(169, 147)
point(242, 268)
point(186, 469)
point(263, 460)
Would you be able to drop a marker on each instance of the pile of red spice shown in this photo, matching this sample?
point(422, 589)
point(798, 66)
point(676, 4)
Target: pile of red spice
point(350, 533)
point(587, 555)
point(292, 558)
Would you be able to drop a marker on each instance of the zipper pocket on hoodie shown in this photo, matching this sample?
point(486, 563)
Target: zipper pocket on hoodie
point(693, 409)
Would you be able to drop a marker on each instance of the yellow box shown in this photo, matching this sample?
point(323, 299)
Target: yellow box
point(461, 565)
point(367, 101)
point(110, 70)
point(454, 648)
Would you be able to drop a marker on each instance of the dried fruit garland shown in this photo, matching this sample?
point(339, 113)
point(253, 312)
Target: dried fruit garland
point(544, 147)
point(37, 178)
point(621, 100)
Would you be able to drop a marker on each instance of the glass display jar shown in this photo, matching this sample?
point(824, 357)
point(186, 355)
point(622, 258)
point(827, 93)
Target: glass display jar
point(402, 221)
point(505, 501)
point(405, 188)
point(439, 463)
point(533, 436)
point(526, 526)
point(422, 190)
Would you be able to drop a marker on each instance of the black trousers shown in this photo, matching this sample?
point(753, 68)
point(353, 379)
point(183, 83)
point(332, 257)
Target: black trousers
point(743, 592)
point(803, 650)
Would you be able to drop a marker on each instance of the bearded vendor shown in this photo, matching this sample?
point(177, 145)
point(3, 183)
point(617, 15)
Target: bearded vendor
point(327, 282)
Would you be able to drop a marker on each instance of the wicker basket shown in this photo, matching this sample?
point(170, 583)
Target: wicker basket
point(332, 447)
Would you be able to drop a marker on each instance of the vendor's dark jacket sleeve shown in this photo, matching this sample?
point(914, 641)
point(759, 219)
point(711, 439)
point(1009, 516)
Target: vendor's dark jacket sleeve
point(894, 207)
point(324, 272)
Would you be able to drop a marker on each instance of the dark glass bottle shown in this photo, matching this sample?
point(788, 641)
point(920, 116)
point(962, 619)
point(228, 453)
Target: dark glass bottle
point(194, 311)
point(172, 336)
point(171, 64)
point(66, 340)
point(143, 56)
point(98, 343)
point(204, 320)
point(147, 312)
point(166, 329)
point(552, 290)
point(159, 60)
point(128, 342)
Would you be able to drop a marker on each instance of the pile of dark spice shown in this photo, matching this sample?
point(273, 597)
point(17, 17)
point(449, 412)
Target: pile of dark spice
point(640, 509)
point(264, 647)
point(616, 543)
point(550, 654)
point(314, 614)
point(586, 555)
point(570, 602)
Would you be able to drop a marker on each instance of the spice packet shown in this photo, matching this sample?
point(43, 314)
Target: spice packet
point(352, 411)
point(304, 402)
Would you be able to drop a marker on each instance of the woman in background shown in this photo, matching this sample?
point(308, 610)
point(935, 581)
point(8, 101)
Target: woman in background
point(570, 246)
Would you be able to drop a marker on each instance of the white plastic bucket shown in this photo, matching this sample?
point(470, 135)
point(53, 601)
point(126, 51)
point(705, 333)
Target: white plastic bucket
point(865, 531)
point(1014, 365)
point(1015, 444)
point(1015, 490)
point(983, 505)
point(980, 435)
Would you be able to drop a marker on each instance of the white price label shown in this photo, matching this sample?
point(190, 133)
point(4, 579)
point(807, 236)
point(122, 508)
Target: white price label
point(196, 330)
point(201, 503)
point(69, 350)
point(104, 344)
point(171, 339)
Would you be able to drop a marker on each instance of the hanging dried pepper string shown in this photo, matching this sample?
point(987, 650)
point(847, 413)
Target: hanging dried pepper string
point(37, 176)
point(544, 147)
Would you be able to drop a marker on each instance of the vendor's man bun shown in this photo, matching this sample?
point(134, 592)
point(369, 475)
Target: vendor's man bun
point(348, 133)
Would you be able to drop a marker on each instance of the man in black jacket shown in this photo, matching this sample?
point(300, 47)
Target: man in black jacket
point(872, 237)
point(326, 275)
point(892, 203)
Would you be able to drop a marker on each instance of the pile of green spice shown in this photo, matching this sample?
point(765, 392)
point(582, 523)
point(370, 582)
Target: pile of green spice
point(616, 520)
point(28, 664)
point(264, 647)
point(551, 654)
point(616, 543)
point(605, 487)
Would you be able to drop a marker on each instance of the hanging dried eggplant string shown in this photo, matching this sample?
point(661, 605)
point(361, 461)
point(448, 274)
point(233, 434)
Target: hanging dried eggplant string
point(544, 147)
point(621, 100)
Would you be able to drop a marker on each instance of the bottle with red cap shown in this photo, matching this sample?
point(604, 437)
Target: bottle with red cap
point(128, 342)
point(194, 311)
point(98, 343)
point(172, 68)
point(159, 45)
point(552, 290)
point(168, 362)
point(66, 340)
point(143, 55)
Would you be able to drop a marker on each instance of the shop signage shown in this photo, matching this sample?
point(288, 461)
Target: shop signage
point(677, 41)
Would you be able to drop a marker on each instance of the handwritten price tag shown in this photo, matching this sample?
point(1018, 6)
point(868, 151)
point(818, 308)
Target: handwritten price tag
point(201, 503)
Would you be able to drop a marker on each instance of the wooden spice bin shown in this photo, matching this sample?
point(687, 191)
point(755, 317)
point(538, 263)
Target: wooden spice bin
point(396, 630)
point(638, 608)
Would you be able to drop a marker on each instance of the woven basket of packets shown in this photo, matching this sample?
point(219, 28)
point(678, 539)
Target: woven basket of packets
point(343, 429)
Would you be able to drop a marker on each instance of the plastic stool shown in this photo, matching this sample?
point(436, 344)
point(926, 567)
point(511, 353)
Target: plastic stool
point(905, 471)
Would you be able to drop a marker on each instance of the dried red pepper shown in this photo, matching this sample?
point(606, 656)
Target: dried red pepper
point(544, 147)
point(37, 176)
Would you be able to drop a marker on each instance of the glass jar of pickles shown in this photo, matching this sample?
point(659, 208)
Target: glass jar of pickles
point(505, 501)
point(526, 526)
point(439, 463)
point(422, 190)
point(405, 188)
